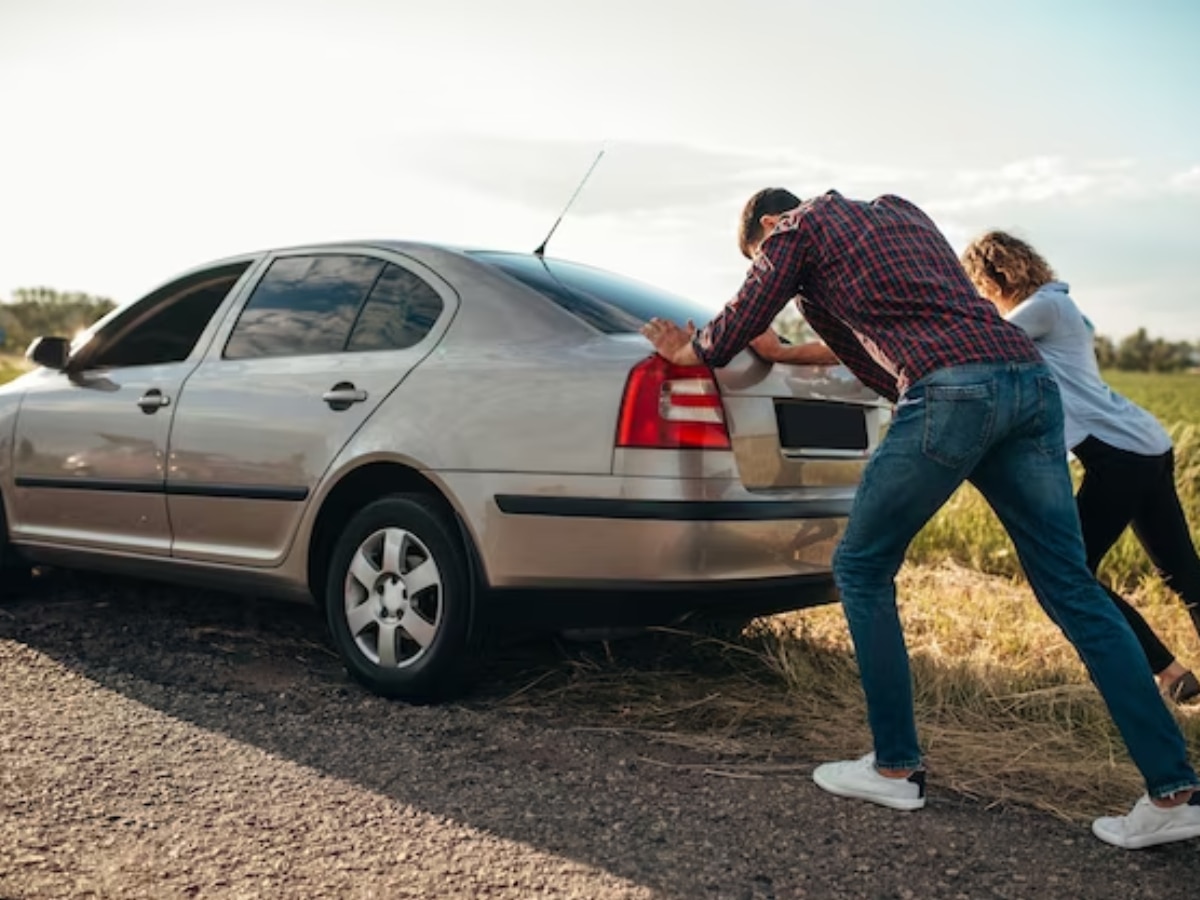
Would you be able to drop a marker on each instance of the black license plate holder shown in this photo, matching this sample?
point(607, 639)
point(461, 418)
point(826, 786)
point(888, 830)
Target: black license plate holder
point(812, 425)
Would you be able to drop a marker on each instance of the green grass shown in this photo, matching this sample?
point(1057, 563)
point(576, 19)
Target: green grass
point(11, 367)
point(967, 532)
point(1173, 398)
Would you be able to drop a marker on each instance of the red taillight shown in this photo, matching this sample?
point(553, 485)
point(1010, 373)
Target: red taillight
point(670, 406)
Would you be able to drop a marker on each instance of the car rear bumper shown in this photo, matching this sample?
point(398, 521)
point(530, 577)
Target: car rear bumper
point(622, 534)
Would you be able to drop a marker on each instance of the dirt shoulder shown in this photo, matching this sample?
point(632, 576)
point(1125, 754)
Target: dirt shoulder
point(163, 743)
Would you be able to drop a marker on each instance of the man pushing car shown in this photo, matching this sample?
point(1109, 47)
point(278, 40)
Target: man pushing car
point(881, 286)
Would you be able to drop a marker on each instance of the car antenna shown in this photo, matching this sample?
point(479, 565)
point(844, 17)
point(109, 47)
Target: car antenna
point(541, 250)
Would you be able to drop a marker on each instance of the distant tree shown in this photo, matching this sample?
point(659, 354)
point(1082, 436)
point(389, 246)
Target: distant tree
point(44, 311)
point(1133, 353)
point(1140, 353)
point(1167, 356)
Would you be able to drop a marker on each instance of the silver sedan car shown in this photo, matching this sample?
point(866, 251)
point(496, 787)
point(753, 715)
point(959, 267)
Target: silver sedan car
point(430, 442)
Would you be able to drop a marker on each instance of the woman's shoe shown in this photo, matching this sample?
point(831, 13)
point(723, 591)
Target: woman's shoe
point(1184, 689)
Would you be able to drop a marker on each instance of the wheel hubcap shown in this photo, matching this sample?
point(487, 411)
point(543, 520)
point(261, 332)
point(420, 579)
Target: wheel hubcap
point(393, 598)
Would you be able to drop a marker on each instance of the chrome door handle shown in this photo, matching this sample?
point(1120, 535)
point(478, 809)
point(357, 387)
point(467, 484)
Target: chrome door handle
point(153, 400)
point(342, 395)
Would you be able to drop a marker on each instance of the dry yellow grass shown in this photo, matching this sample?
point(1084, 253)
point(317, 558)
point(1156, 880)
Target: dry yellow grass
point(1004, 707)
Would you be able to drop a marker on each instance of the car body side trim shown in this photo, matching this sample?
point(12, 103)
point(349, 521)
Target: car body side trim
point(128, 486)
point(239, 491)
point(673, 510)
point(187, 489)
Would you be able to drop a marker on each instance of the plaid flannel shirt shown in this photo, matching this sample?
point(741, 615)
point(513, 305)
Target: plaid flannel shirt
point(879, 283)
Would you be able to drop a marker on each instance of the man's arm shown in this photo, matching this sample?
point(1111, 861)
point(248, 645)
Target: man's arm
point(812, 353)
point(773, 280)
point(675, 343)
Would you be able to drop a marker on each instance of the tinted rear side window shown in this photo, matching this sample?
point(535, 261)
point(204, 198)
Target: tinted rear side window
point(303, 305)
point(611, 303)
point(399, 313)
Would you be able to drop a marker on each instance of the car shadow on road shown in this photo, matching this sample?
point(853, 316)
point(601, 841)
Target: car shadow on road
point(718, 808)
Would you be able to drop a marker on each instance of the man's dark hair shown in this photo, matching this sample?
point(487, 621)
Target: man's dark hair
point(767, 202)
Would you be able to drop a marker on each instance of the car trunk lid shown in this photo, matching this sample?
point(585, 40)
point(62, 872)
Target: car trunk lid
point(799, 426)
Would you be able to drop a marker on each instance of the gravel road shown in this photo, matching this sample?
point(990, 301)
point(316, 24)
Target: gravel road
point(163, 743)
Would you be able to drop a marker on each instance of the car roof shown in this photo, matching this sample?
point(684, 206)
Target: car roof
point(420, 249)
point(398, 245)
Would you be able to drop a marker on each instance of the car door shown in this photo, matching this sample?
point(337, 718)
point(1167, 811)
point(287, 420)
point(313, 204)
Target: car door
point(90, 441)
point(321, 340)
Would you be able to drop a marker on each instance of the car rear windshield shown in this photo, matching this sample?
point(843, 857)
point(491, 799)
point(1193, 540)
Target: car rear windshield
point(608, 302)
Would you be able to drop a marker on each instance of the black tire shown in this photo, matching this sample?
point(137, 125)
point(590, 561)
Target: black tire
point(428, 654)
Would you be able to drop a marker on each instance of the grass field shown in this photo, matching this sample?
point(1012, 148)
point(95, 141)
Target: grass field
point(1173, 398)
point(967, 532)
point(11, 367)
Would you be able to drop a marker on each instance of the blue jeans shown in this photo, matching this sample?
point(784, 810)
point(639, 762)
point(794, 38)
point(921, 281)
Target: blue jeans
point(999, 426)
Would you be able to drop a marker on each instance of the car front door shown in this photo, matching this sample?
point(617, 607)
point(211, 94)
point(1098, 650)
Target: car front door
point(91, 441)
point(321, 340)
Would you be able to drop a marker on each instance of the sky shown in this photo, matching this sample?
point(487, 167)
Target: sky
point(138, 139)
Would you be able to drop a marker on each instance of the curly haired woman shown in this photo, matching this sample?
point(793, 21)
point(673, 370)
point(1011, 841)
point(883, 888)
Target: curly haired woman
point(1127, 456)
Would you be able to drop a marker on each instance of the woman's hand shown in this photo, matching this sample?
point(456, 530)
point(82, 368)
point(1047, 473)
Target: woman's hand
point(672, 342)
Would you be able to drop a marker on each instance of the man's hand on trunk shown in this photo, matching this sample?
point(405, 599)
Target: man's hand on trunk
point(672, 342)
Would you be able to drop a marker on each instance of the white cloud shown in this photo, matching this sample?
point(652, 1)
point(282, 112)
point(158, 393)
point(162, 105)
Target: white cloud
point(1187, 182)
point(1038, 180)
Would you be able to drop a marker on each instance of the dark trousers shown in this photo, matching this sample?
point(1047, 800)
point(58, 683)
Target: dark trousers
point(1122, 489)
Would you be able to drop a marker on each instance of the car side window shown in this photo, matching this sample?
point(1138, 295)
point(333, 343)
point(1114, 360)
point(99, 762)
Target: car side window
point(401, 310)
point(165, 326)
point(303, 305)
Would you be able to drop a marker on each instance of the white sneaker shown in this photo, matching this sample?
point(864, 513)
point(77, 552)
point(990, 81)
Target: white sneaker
point(1147, 825)
point(860, 779)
